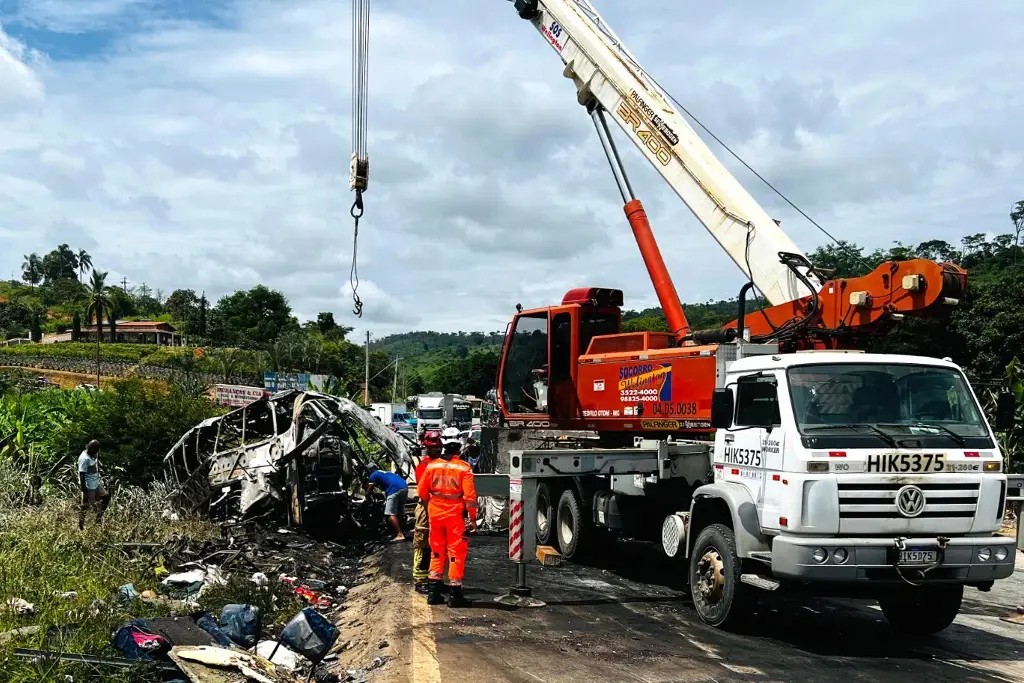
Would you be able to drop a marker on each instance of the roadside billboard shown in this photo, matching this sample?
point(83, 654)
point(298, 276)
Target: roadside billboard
point(236, 395)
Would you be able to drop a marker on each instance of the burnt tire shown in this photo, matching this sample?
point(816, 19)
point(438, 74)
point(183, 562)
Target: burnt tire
point(571, 526)
point(545, 514)
point(922, 611)
point(719, 597)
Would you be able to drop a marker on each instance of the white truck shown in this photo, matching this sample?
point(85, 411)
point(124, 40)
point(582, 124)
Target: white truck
point(850, 474)
point(829, 472)
point(429, 412)
point(388, 413)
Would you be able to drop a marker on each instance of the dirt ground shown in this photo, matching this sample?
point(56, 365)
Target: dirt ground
point(626, 619)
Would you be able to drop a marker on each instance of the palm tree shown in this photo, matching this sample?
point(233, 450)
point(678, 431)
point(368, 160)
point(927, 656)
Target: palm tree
point(84, 263)
point(100, 302)
point(32, 269)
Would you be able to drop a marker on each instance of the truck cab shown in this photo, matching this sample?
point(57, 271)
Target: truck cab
point(867, 470)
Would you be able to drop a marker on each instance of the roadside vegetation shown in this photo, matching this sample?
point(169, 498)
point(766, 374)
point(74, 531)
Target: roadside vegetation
point(72, 578)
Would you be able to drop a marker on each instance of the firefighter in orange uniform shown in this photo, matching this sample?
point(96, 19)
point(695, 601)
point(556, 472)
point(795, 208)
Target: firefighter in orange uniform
point(450, 493)
point(431, 449)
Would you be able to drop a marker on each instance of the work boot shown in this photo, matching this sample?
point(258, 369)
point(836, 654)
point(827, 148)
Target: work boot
point(421, 587)
point(457, 599)
point(434, 597)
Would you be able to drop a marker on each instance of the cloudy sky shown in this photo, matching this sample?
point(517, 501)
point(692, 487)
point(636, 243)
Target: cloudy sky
point(205, 143)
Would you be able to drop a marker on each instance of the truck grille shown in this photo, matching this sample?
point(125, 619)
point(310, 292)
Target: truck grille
point(878, 500)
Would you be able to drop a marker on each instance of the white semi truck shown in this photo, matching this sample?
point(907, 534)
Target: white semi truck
point(429, 412)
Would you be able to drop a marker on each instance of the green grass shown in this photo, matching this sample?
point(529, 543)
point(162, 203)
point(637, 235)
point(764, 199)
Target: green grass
point(43, 554)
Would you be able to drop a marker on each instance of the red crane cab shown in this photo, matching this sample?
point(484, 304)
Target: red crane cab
point(569, 367)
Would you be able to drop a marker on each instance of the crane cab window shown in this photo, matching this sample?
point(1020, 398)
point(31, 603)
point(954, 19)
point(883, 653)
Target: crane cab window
point(525, 376)
point(757, 402)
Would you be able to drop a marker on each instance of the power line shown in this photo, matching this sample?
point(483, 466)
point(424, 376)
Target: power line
point(750, 168)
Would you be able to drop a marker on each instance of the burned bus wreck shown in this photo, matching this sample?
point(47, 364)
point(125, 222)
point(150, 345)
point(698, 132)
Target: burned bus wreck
point(290, 456)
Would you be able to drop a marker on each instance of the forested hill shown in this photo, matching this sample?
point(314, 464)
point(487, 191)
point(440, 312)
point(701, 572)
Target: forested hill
point(983, 334)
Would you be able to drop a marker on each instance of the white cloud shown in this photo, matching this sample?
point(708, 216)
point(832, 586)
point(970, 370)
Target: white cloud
point(213, 154)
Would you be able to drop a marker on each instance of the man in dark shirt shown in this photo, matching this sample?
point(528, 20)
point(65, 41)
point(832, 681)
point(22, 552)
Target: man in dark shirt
point(396, 490)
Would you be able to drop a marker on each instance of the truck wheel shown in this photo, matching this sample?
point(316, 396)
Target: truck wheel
point(545, 514)
point(571, 527)
point(922, 611)
point(718, 596)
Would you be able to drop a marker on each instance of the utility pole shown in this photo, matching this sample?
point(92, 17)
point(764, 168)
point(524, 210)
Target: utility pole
point(366, 380)
point(124, 284)
point(394, 384)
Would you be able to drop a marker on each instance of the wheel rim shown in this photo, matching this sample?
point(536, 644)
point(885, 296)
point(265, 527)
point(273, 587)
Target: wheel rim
point(565, 527)
point(711, 575)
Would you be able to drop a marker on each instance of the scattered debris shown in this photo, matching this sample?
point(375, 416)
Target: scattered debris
point(288, 456)
point(196, 661)
point(279, 655)
point(22, 608)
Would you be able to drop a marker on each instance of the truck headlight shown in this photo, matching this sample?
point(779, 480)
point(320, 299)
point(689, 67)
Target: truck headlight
point(993, 466)
point(1000, 554)
point(840, 555)
point(820, 555)
point(984, 554)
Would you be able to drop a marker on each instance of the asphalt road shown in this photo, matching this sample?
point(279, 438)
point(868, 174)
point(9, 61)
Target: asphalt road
point(626, 621)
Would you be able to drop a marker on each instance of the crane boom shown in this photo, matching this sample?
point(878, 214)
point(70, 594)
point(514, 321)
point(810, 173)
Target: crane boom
point(606, 75)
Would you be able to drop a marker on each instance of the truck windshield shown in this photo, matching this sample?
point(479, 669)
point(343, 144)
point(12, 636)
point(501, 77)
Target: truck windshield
point(430, 413)
point(464, 414)
point(861, 404)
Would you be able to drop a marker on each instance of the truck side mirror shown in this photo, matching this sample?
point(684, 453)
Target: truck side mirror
point(1006, 412)
point(721, 409)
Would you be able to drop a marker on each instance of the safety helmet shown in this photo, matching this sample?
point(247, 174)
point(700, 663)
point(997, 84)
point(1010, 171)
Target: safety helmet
point(371, 467)
point(449, 435)
point(452, 447)
point(432, 439)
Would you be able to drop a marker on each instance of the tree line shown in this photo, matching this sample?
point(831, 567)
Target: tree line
point(984, 333)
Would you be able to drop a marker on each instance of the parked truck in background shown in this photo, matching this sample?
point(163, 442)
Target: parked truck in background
point(458, 411)
point(389, 413)
point(429, 411)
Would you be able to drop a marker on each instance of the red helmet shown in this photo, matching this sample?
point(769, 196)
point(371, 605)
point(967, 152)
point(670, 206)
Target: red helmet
point(432, 439)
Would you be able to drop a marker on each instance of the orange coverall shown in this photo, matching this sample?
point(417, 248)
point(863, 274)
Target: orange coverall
point(447, 487)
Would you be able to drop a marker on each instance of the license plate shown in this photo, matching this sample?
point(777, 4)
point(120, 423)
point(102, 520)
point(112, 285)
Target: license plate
point(906, 463)
point(918, 556)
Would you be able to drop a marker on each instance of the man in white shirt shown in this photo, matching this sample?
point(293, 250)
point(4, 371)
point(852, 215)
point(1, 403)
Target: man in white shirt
point(93, 493)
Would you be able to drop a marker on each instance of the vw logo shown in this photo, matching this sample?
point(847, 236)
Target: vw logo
point(910, 501)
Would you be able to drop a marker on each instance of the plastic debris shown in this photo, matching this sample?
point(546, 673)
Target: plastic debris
point(309, 634)
point(127, 593)
point(23, 608)
point(280, 655)
point(207, 623)
point(241, 623)
point(260, 579)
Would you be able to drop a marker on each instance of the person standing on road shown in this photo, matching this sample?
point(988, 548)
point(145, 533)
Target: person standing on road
point(449, 491)
point(431, 448)
point(396, 490)
point(93, 493)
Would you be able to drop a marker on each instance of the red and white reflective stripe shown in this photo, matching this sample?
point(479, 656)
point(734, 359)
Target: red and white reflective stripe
point(515, 530)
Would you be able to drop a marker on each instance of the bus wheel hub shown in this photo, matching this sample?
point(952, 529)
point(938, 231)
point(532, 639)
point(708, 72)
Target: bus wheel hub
point(711, 575)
